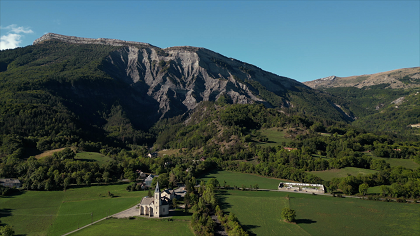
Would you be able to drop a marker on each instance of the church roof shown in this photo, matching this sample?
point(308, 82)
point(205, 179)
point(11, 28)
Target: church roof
point(147, 201)
point(157, 189)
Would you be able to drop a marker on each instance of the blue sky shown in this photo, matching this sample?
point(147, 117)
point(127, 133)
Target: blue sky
point(303, 40)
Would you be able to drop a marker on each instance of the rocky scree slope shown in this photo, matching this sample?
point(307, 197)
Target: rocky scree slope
point(171, 81)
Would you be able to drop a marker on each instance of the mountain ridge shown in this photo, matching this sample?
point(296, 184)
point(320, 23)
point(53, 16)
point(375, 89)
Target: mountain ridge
point(398, 78)
point(174, 69)
point(121, 89)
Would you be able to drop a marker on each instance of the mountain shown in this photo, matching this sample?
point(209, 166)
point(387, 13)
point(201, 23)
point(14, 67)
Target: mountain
point(63, 86)
point(400, 78)
point(386, 101)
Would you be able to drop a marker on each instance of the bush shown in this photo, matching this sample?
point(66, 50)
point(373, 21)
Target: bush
point(288, 214)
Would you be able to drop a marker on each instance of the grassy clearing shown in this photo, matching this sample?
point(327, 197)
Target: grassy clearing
point(339, 173)
point(375, 190)
point(260, 213)
point(138, 226)
point(48, 153)
point(168, 152)
point(274, 136)
point(92, 156)
point(322, 215)
point(59, 212)
point(407, 163)
point(239, 179)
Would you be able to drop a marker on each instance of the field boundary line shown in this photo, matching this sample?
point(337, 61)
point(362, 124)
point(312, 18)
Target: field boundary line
point(97, 221)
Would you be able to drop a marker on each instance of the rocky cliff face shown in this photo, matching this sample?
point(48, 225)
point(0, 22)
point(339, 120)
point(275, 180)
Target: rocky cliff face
point(178, 78)
point(181, 77)
point(80, 40)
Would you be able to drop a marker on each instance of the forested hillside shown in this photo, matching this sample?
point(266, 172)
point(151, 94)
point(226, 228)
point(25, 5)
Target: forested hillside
point(57, 93)
point(379, 108)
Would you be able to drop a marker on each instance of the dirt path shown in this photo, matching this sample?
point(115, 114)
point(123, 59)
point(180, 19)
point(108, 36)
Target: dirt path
point(219, 230)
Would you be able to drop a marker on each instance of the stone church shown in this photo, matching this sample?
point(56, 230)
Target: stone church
point(155, 206)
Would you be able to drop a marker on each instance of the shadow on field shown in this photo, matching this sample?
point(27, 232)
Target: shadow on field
point(305, 221)
point(95, 184)
point(179, 212)
point(206, 174)
point(248, 228)
point(5, 212)
point(86, 160)
point(222, 195)
point(13, 192)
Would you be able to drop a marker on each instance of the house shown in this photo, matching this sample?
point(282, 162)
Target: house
point(155, 206)
point(141, 174)
point(151, 155)
point(169, 194)
point(290, 149)
point(10, 183)
point(149, 179)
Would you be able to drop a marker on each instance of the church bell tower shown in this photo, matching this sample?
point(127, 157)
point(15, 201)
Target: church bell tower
point(157, 201)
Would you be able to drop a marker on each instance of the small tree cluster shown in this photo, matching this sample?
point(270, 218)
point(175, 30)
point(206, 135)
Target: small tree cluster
point(288, 214)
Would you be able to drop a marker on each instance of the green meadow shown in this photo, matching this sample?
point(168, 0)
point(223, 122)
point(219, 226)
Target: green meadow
point(92, 156)
point(275, 137)
point(407, 163)
point(239, 179)
point(324, 215)
point(260, 214)
point(59, 212)
point(339, 173)
point(137, 226)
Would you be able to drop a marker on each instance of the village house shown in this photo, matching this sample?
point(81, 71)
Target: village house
point(155, 206)
point(149, 179)
point(151, 155)
point(10, 183)
point(141, 174)
point(169, 194)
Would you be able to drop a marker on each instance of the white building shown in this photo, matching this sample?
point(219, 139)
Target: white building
point(155, 206)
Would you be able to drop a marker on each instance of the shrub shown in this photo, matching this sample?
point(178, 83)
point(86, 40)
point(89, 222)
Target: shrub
point(288, 214)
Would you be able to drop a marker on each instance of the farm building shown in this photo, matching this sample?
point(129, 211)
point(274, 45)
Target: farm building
point(10, 183)
point(302, 187)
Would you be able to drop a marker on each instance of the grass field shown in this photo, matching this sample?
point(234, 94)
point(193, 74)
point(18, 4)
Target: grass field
point(137, 226)
point(59, 212)
point(239, 179)
point(260, 213)
point(407, 163)
point(323, 215)
point(275, 137)
point(339, 173)
point(168, 152)
point(48, 153)
point(92, 156)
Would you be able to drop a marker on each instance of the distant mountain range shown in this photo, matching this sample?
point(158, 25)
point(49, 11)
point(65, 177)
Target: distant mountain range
point(386, 101)
point(400, 78)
